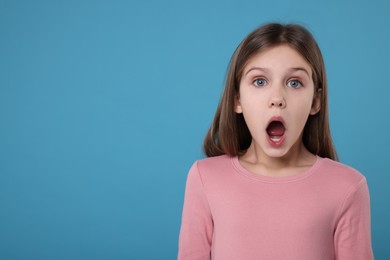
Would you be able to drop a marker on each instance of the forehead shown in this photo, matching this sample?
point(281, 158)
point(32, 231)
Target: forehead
point(278, 58)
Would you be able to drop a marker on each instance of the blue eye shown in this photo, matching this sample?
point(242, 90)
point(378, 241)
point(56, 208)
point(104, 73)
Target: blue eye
point(294, 83)
point(259, 82)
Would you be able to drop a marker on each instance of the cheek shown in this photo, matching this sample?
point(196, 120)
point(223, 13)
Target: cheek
point(301, 112)
point(253, 107)
point(253, 99)
point(254, 110)
point(306, 106)
point(304, 101)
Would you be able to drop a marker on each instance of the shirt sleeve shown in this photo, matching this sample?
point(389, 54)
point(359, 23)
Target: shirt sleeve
point(353, 230)
point(197, 225)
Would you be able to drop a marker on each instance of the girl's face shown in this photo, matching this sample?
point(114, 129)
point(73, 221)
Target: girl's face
point(276, 97)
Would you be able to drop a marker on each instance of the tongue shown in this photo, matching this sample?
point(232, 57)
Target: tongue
point(275, 129)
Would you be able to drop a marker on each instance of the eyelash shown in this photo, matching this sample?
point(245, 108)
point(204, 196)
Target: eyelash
point(256, 81)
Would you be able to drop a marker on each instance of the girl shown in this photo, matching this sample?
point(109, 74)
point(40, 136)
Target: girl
point(271, 188)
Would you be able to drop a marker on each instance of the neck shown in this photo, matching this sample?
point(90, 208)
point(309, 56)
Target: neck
point(296, 159)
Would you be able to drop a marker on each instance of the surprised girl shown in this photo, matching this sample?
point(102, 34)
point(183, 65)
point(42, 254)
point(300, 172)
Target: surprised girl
point(271, 187)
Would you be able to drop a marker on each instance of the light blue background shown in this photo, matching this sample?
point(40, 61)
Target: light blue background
point(104, 105)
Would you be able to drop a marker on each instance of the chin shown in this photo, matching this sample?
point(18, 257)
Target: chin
point(276, 153)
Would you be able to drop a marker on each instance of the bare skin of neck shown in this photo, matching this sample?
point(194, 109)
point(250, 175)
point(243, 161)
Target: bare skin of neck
point(297, 160)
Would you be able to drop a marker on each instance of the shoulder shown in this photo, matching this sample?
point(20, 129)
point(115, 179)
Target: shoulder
point(212, 167)
point(340, 169)
point(212, 162)
point(340, 175)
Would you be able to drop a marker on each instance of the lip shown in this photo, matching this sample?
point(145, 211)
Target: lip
point(274, 143)
point(276, 118)
point(280, 142)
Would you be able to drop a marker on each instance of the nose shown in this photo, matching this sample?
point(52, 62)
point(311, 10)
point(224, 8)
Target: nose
point(278, 102)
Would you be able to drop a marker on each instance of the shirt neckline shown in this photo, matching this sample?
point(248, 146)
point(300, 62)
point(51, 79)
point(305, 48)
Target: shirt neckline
point(269, 179)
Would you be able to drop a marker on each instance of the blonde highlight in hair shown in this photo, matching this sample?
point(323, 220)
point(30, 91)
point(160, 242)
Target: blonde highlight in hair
point(229, 133)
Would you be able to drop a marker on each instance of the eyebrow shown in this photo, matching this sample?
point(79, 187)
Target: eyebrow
point(256, 68)
point(290, 70)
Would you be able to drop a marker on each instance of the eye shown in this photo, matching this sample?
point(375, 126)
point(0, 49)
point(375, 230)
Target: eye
point(294, 83)
point(259, 82)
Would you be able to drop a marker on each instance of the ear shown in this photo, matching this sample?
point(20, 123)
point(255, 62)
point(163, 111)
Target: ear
point(316, 105)
point(237, 105)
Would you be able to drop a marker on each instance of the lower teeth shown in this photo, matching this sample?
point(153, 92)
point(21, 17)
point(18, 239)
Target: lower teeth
point(275, 138)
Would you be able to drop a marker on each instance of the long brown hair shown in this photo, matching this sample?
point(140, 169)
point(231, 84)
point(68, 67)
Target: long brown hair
point(229, 133)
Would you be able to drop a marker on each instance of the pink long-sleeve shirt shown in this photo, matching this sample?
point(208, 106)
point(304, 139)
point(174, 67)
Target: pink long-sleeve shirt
point(230, 213)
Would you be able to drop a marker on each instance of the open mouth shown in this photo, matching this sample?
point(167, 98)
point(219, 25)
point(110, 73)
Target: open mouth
point(275, 131)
